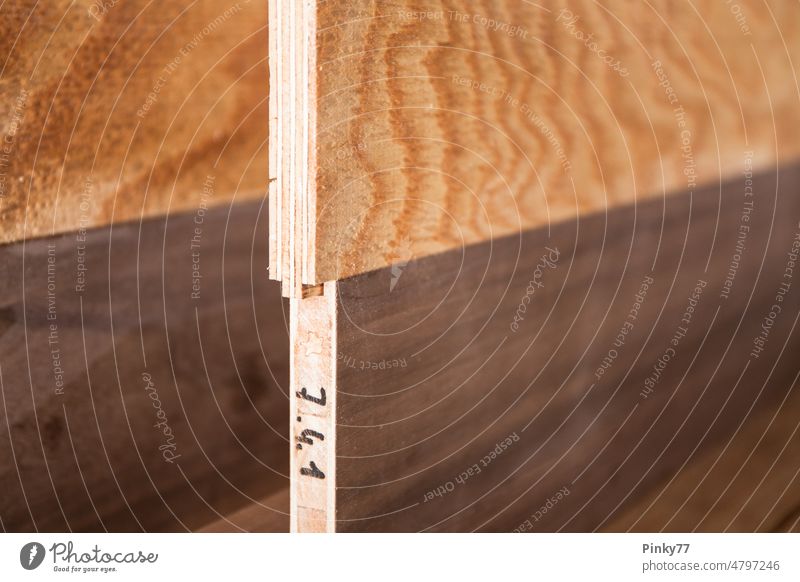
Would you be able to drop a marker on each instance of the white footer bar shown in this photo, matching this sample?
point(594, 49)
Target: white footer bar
point(401, 557)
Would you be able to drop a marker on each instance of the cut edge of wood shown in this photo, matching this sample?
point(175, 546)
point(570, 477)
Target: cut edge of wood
point(274, 176)
point(313, 412)
point(292, 187)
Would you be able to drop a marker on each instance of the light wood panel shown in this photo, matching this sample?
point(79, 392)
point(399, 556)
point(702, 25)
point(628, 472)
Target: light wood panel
point(546, 381)
point(151, 393)
point(115, 110)
point(409, 127)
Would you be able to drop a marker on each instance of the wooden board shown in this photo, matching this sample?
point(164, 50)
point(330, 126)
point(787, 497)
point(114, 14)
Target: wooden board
point(404, 128)
point(750, 482)
point(268, 515)
point(111, 111)
point(143, 376)
point(545, 381)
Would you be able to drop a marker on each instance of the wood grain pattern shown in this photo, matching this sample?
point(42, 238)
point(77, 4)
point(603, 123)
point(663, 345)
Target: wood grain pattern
point(154, 396)
point(269, 515)
point(112, 111)
point(547, 381)
point(750, 482)
point(431, 124)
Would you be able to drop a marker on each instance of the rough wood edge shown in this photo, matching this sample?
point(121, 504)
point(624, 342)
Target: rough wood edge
point(275, 159)
point(292, 135)
point(313, 412)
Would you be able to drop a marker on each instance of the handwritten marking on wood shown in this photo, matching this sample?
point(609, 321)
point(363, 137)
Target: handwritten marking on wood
point(313, 456)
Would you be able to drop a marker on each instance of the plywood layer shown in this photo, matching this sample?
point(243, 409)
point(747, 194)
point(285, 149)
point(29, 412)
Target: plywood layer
point(410, 127)
point(115, 110)
point(550, 380)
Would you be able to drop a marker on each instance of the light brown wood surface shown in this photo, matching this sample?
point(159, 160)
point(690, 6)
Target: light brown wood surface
point(414, 127)
point(514, 346)
point(313, 411)
point(110, 111)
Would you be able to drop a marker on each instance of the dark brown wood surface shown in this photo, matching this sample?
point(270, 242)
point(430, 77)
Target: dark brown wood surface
point(79, 445)
point(462, 405)
point(749, 482)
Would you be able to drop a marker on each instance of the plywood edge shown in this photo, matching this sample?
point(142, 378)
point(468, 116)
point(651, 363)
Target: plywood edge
point(274, 188)
point(292, 138)
point(313, 411)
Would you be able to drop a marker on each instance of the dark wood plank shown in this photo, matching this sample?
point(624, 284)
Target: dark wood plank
point(452, 415)
point(115, 110)
point(269, 515)
point(749, 482)
point(81, 369)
